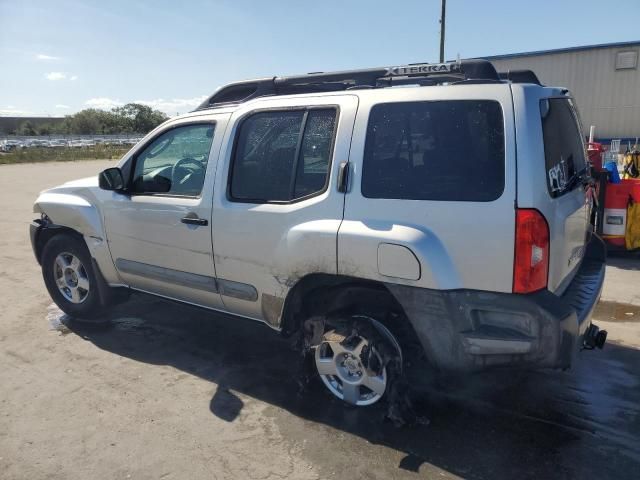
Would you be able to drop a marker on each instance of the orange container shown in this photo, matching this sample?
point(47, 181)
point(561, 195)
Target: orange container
point(617, 199)
point(618, 196)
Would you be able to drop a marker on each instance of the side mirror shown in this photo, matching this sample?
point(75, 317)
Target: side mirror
point(111, 179)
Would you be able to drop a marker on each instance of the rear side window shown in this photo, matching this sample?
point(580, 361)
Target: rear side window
point(282, 156)
point(442, 150)
point(563, 145)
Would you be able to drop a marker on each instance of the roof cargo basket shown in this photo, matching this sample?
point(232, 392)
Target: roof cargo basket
point(416, 73)
point(520, 76)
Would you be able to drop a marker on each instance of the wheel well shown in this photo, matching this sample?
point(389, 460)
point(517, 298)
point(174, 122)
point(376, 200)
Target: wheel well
point(326, 295)
point(47, 232)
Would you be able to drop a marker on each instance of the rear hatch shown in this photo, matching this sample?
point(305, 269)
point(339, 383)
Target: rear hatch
point(551, 167)
point(565, 164)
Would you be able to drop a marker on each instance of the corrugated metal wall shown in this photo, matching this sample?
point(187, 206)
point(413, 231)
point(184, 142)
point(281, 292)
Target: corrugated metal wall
point(607, 98)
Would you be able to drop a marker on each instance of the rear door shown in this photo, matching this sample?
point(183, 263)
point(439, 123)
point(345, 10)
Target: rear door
point(431, 197)
point(276, 208)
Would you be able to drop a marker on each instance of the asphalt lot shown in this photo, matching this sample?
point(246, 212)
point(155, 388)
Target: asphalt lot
point(174, 392)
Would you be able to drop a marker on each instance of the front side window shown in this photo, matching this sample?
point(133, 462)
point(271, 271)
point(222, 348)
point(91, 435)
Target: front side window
point(175, 162)
point(435, 150)
point(564, 150)
point(281, 156)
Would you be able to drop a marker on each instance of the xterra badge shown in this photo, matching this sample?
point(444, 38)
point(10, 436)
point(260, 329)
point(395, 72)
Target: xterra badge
point(422, 69)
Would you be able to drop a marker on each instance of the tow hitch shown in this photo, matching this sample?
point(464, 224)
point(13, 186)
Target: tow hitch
point(594, 337)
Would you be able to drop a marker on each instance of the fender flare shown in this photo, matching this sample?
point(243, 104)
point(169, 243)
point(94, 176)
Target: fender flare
point(42, 230)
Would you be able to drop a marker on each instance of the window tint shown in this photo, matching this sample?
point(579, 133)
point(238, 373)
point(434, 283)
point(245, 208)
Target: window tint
point(282, 155)
point(563, 146)
point(175, 162)
point(441, 150)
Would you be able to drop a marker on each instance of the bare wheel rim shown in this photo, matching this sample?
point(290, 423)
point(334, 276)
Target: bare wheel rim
point(71, 277)
point(343, 373)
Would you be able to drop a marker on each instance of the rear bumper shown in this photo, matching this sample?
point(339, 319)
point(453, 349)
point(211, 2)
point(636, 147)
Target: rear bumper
point(468, 330)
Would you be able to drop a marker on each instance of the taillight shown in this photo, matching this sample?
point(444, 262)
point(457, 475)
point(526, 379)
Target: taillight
point(531, 262)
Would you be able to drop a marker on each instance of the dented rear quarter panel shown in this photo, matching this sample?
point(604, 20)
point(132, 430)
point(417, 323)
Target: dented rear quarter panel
point(457, 244)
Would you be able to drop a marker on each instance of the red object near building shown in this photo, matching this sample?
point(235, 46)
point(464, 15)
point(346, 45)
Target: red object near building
point(595, 150)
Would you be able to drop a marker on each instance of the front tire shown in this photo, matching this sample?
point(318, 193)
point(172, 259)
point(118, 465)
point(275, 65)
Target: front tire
point(69, 277)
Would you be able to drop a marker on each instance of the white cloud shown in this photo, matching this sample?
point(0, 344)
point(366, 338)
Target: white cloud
point(11, 111)
point(63, 107)
point(103, 103)
point(60, 76)
point(42, 56)
point(55, 76)
point(171, 106)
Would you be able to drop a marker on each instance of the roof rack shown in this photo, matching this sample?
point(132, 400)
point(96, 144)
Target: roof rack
point(520, 76)
point(415, 73)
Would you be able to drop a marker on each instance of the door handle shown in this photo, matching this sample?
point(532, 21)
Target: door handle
point(192, 219)
point(343, 177)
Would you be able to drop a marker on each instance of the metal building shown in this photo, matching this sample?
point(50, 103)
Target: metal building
point(604, 79)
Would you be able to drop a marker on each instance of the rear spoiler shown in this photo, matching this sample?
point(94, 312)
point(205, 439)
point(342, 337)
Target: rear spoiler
point(520, 76)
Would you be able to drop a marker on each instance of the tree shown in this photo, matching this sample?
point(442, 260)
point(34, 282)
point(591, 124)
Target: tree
point(130, 118)
point(109, 122)
point(140, 118)
point(64, 127)
point(44, 129)
point(26, 128)
point(86, 122)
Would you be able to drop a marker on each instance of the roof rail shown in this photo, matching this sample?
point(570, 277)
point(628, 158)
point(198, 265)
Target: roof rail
point(520, 76)
point(416, 73)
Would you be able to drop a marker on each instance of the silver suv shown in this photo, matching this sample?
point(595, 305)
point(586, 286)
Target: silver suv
point(445, 205)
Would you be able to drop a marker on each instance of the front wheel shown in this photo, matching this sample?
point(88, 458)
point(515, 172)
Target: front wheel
point(357, 362)
point(69, 277)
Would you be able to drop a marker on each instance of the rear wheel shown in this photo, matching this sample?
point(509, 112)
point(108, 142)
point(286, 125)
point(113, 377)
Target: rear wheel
point(69, 277)
point(357, 362)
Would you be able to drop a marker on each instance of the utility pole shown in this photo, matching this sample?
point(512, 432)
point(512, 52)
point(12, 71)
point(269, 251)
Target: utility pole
point(442, 24)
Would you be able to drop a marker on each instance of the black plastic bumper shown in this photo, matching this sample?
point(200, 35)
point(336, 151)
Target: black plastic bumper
point(34, 231)
point(467, 330)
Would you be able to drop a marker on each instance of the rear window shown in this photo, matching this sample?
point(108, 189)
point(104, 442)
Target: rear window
point(564, 151)
point(442, 150)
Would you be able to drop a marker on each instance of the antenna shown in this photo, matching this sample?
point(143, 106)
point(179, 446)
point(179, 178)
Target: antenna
point(442, 25)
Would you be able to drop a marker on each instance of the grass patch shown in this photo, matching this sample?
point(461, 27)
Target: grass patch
point(64, 154)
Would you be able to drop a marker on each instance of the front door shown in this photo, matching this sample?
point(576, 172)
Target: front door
point(159, 233)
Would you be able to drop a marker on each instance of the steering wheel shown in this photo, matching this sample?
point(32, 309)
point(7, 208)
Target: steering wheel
point(176, 178)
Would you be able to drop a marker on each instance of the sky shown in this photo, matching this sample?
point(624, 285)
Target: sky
point(59, 57)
